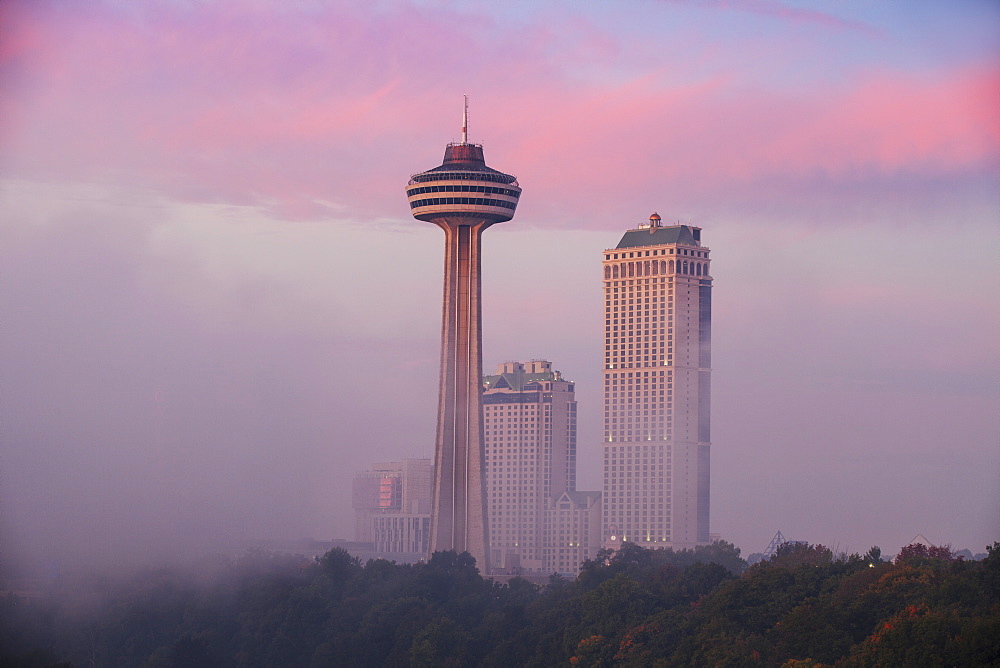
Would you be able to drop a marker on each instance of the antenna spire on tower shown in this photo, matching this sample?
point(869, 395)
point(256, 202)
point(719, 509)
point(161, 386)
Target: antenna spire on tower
point(465, 121)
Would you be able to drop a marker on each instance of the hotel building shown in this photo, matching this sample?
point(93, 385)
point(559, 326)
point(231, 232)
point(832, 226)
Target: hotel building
point(657, 368)
point(538, 522)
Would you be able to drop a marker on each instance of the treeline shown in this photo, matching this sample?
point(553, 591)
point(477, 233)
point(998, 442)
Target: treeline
point(635, 607)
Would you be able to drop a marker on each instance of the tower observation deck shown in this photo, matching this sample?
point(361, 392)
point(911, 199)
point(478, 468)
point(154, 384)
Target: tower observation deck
point(463, 197)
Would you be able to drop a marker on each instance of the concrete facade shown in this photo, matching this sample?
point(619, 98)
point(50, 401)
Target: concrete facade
point(463, 197)
point(657, 374)
point(392, 508)
point(530, 419)
point(539, 523)
point(574, 526)
point(402, 537)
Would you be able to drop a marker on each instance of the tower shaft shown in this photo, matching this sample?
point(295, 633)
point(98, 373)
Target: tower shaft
point(463, 197)
point(460, 521)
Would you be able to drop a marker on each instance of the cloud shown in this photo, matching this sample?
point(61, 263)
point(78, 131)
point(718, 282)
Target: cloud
point(780, 10)
point(326, 111)
point(718, 141)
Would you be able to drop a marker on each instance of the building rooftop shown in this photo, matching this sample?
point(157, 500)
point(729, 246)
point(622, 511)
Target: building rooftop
point(460, 158)
point(518, 380)
point(660, 236)
point(579, 499)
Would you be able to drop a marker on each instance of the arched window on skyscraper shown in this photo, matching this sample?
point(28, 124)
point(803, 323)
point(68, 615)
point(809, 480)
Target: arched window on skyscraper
point(607, 272)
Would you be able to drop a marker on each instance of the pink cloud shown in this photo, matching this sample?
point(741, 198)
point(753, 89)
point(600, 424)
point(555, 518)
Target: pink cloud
point(716, 137)
point(219, 102)
point(781, 10)
point(892, 122)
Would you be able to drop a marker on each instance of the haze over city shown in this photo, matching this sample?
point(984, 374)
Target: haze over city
point(218, 309)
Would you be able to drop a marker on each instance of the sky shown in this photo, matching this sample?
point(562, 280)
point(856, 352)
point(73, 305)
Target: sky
point(217, 308)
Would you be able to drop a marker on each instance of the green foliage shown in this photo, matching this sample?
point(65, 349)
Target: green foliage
point(791, 555)
point(442, 642)
point(633, 607)
point(874, 556)
point(339, 565)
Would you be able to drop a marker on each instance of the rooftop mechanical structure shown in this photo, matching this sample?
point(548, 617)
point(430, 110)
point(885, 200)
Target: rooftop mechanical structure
point(776, 542)
point(463, 197)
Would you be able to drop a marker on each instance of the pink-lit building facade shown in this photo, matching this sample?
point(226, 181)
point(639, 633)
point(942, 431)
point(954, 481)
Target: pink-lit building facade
point(657, 387)
point(538, 522)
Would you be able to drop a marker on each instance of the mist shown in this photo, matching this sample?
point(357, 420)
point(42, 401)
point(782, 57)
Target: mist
point(217, 308)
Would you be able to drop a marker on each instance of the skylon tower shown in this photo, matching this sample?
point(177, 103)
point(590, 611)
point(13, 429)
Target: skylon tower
point(463, 197)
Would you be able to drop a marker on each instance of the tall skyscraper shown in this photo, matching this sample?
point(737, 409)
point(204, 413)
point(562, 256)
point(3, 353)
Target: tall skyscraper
point(463, 197)
point(530, 415)
point(657, 368)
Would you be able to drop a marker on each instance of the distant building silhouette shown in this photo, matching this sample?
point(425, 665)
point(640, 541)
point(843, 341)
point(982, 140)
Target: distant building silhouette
point(657, 368)
point(392, 508)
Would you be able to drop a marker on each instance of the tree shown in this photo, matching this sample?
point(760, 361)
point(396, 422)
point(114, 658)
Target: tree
point(615, 605)
point(592, 652)
point(720, 552)
point(339, 565)
point(441, 643)
point(874, 556)
point(921, 552)
point(790, 555)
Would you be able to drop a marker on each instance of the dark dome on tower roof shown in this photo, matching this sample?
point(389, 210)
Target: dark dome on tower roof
point(465, 158)
point(463, 162)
